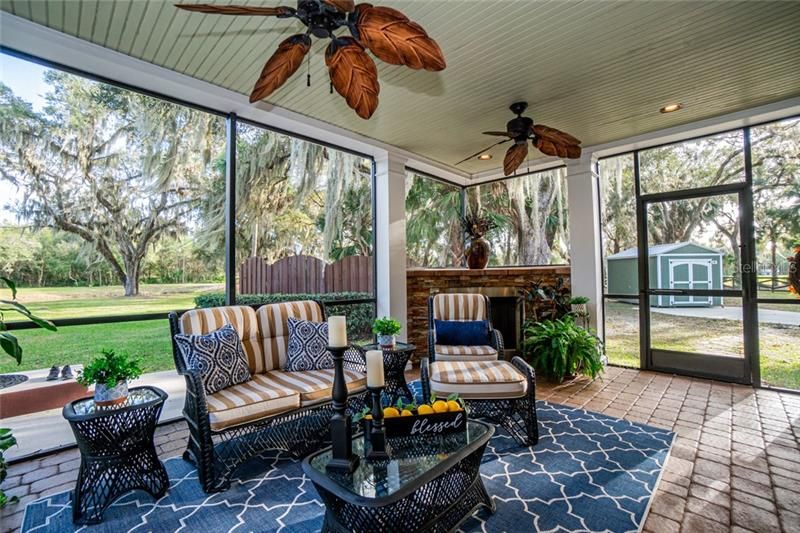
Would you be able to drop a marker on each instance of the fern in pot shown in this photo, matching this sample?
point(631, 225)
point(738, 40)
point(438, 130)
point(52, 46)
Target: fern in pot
point(560, 348)
point(110, 374)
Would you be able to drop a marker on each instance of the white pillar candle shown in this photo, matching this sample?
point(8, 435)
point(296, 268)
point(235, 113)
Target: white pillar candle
point(337, 331)
point(375, 368)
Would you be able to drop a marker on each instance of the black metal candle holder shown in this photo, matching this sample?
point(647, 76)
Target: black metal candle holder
point(342, 458)
point(378, 447)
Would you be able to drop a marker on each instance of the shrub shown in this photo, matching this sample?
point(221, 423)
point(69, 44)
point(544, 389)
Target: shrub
point(359, 316)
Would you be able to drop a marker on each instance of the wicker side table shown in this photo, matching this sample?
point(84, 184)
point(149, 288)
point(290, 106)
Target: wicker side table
point(394, 369)
point(117, 451)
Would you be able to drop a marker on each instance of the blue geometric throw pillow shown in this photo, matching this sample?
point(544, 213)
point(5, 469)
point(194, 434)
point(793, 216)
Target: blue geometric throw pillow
point(308, 346)
point(218, 356)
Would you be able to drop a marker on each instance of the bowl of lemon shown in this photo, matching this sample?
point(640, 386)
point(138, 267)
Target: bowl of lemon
point(437, 416)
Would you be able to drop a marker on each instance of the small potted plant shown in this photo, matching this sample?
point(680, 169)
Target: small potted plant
point(110, 374)
point(386, 329)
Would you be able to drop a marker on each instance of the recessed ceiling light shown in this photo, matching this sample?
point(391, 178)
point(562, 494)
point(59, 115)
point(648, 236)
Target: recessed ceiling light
point(669, 108)
point(485, 157)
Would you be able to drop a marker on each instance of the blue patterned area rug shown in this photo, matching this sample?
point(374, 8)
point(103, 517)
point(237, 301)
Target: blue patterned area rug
point(589, 472)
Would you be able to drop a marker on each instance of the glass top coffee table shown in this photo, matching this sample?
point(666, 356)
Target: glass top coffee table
point(431, 483)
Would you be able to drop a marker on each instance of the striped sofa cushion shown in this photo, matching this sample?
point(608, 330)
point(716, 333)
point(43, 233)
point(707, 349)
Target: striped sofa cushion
point(313, 386)
point(241, 317)
point(273, 324)
point(465, 353)
point(473, 380)
point(253, 400)
point(459, 306)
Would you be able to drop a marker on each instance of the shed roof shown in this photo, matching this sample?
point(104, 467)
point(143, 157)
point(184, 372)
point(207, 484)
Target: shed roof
point(660, 249)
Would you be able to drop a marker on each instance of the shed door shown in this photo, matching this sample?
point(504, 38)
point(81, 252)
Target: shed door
point(690, 274)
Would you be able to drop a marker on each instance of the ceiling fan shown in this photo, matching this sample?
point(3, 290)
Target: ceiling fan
point(384, 31)
point(547, 140)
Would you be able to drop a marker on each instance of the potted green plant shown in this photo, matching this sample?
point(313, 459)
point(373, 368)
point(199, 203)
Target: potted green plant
point(110, 373)
point(560, 348)
point(386, 329)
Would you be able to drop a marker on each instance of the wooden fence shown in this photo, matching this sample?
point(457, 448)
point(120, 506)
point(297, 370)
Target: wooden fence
point(303, 274)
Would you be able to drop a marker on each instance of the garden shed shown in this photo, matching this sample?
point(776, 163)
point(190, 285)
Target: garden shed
point(682, 265)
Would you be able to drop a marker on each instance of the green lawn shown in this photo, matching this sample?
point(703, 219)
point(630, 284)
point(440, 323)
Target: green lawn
point(80, 302)
point(779, 345)
point(148, 340)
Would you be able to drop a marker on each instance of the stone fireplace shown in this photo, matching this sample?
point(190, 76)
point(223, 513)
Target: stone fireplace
point(501, 285)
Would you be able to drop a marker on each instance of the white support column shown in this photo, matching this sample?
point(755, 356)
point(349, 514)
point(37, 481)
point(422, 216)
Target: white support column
point(585, 249)
point(390, 236)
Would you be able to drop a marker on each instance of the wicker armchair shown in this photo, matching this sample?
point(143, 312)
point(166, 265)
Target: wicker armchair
point(500, 391)
point(463, 306)
point(274, 410)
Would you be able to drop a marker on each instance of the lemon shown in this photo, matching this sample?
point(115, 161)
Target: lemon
point(440, 406)
point(453, 405)
point(390, 412)
point(406, 412)
point(425, 409)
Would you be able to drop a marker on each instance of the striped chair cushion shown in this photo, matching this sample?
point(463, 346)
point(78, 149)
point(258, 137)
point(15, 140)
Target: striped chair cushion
point(314, 386)
point(474, 380)
point(241, 317)
point(459, 306)
point(465, 353)
point(253, 400)
point(273, 324)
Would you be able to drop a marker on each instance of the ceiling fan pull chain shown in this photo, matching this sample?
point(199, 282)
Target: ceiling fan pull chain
point(308, 70)
point(331, 88)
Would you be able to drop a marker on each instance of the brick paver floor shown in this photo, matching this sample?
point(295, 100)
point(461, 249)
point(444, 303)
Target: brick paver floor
point(735, 463)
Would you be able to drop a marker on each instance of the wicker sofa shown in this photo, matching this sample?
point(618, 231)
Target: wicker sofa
point(274, 410)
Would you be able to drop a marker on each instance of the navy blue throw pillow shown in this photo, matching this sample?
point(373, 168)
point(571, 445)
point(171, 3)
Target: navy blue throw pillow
point(462, 333)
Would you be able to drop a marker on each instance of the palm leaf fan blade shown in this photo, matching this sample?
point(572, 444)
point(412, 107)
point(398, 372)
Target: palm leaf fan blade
point(548, 147)
point(280, 67)
point(573, 151)
point(345, 6)
point(554, 135)
point(353, 75)
point(395, 39)
point(237, 10)
point(514, 158)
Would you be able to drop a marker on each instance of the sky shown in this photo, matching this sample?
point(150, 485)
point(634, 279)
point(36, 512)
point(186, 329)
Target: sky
point(26, 79)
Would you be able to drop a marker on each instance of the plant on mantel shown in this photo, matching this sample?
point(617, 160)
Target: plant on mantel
point(550, 302)
point(11, 347)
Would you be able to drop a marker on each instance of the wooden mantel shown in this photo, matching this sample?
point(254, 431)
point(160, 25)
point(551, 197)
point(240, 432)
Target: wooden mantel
point(422, 282)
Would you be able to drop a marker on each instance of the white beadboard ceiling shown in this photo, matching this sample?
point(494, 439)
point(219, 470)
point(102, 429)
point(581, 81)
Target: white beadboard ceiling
point(597, 69)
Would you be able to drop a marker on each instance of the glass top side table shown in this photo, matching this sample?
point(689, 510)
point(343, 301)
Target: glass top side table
point(395, 360)
point(117, 451)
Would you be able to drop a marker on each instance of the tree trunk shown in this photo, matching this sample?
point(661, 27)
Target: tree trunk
point(131, 281)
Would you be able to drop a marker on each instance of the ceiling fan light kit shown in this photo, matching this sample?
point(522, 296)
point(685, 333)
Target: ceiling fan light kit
point(384, 31)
